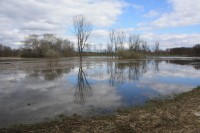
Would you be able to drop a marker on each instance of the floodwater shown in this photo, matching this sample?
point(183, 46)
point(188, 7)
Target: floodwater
point(96, 86)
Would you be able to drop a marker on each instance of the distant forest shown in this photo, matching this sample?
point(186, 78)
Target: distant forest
point(185, 51)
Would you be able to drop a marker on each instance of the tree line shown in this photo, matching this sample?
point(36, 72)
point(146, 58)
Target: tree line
point(7, 51)
point(184, 51)
point(46, 45)
point(40, 46)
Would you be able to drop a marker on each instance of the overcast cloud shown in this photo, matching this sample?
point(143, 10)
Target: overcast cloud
point(19, 18)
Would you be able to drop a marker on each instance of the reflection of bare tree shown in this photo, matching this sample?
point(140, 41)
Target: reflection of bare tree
point(156, 64)
point(145, 66)
point(116, 76)
point(120, 72)
point(134, 71)
point(83, 88)
point(197, 66)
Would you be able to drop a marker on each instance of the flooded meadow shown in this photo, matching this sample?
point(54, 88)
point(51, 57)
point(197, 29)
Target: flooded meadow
point(32, 91)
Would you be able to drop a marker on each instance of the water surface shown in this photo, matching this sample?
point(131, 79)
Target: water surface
point(93, 87)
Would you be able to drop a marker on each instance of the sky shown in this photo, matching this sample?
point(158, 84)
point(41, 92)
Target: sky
point(174, 23)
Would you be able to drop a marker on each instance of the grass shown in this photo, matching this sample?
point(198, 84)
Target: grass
point(177, 114)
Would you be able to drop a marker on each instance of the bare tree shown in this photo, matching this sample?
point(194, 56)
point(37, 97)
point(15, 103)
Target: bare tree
point(157, 47)
point(111, 41)
point(32, 42)
point(6, 51)
point(109, 49)
point(117, 39)
point(82, 30)
point(121, 38)
point(100, 47)
point(144, 46)
point(134, 42)
point(88, 47)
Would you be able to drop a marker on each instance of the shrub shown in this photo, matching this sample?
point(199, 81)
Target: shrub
point(53, 56)
point(125, 54)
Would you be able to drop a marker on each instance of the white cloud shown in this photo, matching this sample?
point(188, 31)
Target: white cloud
point(99, 36)
point(184, 13)
point(52, 16)
point(166, 40)
point(172, 40)
point(21, 18)
point(138, 7)
point(151, 14)
point(167, 89)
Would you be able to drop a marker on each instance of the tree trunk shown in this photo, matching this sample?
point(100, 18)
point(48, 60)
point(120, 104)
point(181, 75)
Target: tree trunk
point(80, 54)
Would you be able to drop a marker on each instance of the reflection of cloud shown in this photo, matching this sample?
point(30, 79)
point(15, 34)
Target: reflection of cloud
point(171, 70)
point(98, 75)
point(12, 76)
point(178, 71)
point(48, 99)
point(104, 96)
point(170, 78)
point(164, 88)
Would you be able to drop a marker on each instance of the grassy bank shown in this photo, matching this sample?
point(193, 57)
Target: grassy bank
point(180, 114)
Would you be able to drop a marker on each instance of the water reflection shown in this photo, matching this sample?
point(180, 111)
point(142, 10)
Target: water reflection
point(82, 88)
point(49, 74)
point(27, 95)
point(156, 65)
point(120, 73)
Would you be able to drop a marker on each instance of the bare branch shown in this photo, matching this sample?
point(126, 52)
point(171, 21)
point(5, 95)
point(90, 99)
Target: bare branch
point(82, 30)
